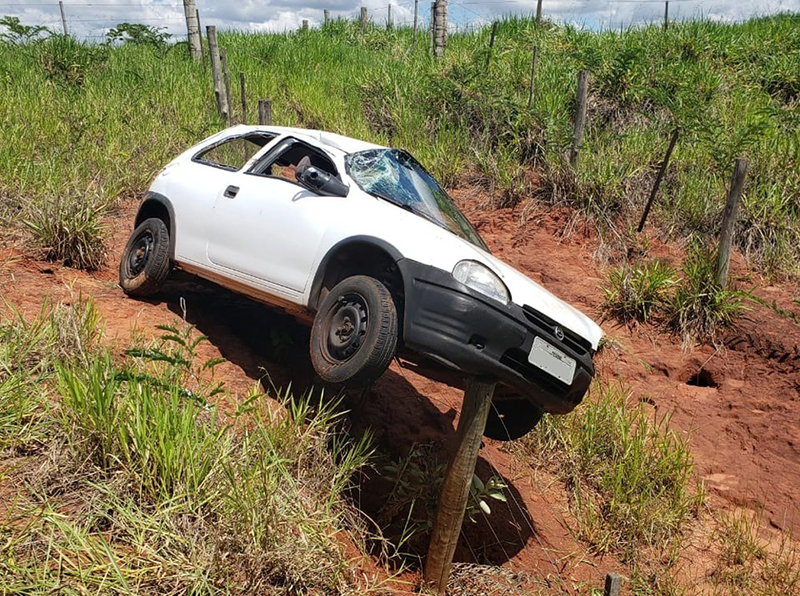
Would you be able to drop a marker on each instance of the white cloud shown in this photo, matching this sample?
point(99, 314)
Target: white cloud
point(92, 18)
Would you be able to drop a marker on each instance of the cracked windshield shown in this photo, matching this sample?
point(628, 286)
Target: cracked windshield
point(395, 176)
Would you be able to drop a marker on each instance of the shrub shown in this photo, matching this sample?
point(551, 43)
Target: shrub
point(68, 229)
point(638, 293)
point(700, 305)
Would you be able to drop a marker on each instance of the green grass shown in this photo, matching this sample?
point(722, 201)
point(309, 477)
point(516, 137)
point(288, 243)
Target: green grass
point(630, 477)
point(92, 124)
point(126, 480)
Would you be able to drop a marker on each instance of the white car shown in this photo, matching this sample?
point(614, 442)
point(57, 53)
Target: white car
point(362, 242)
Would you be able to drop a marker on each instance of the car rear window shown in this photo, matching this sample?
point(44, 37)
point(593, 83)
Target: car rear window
point(232, 154)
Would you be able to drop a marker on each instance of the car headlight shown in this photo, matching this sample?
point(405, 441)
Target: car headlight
point(480, 278)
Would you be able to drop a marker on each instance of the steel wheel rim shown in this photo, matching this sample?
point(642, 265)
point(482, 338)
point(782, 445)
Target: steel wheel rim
point(140, 253)
point(345, 327)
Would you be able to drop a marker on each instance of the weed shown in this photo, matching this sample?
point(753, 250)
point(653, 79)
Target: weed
point(748, 565)
point(629, 475)
point(640, 292)
point(700, 305)
point(416, 483)
point(68, 229)
point(163, 494)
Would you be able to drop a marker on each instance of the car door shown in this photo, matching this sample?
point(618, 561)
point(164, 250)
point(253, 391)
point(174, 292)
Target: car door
point(266, 225)
point(195, 185)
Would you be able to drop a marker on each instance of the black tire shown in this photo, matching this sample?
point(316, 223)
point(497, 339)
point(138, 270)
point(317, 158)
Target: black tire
point(145, 262)
point(354, 335)
point(511, 419)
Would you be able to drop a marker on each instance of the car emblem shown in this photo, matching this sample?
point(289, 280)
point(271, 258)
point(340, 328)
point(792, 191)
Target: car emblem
point(559, 333)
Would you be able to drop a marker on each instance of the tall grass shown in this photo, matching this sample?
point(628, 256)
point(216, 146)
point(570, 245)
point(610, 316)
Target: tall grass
point(629, 475)
point(97, 123)
point(140, 486)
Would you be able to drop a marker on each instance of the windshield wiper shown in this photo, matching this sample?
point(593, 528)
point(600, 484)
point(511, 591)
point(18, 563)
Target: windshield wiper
point(410, 209)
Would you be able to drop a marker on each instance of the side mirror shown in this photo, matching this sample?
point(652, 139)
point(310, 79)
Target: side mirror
point(321, 182)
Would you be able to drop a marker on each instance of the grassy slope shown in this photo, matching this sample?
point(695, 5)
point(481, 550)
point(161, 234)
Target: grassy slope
point(90, 124)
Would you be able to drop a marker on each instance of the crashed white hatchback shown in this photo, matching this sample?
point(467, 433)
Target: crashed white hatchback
point(361, 240)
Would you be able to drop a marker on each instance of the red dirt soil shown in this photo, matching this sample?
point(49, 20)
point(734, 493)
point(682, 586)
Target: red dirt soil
point(738, 403)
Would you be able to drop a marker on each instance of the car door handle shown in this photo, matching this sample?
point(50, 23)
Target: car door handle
point(231, 191)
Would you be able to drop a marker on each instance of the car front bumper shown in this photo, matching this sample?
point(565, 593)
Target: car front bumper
point(466, 331)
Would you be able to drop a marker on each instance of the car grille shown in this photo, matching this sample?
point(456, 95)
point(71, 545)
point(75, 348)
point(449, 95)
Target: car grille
point(571, 339)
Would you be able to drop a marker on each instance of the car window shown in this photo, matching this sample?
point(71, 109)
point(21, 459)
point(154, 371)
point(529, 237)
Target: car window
point(282, 162)
point(232, 154)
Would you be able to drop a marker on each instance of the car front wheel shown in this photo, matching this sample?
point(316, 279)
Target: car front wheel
point(354, 335)
point(145, 262)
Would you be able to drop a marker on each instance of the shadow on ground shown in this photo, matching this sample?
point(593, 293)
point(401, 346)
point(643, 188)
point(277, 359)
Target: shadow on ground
point(272, 348)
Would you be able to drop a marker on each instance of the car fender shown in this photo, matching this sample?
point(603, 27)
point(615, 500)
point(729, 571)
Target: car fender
point(147, 208)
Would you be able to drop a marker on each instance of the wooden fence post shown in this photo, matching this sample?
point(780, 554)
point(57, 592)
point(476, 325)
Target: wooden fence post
point(580, 117)
point(455, 488)
point(433, 26)
point(538, 12)
point(389, 21)
point(491, 45)
point(242, 92)
point(265, 112)
point(304, 26)
point(63, 17)
point(216, 71)
point(666, 15)
point(729, 220)
point(363, 18)
point(226, 81)
point(440, 31)
point(192, 30)
point(613, 584)
point(327, 16)
point(200, 35)
point(416, 18)
point(533, 75)
point(659, 177)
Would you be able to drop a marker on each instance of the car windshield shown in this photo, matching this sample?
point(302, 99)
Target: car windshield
point(395, 176)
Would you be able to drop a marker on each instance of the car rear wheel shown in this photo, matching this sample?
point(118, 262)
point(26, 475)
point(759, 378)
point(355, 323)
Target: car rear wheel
point(511, 419)
point(354, 335)
point(145, 262)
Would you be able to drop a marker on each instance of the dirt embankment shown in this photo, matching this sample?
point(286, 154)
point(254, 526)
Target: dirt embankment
point(739, 403)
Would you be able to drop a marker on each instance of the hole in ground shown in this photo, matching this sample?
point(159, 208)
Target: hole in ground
point(702, 378)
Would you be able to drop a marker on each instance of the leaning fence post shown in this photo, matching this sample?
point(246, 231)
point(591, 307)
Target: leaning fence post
point(729, 220)
point(533, 75)
point(538, 12)
point(580, 117)
point(216, 70)
point(491, 45)
point(457, 479)
point(63, 17)
point(226, 81)
point(243, 95)
point(265, 112)
point(666, 15)
point(659, 177)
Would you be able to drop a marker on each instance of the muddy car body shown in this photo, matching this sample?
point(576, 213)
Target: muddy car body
point(363, 243)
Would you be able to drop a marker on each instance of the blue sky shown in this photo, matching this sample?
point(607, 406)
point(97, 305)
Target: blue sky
point(91, 18)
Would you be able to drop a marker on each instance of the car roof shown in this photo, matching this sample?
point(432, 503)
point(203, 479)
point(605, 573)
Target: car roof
point(329, 140)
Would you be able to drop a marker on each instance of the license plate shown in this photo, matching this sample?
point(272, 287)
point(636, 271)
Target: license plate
point(552, 360)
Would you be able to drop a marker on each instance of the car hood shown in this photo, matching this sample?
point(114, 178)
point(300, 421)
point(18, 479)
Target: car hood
point(424, 241)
